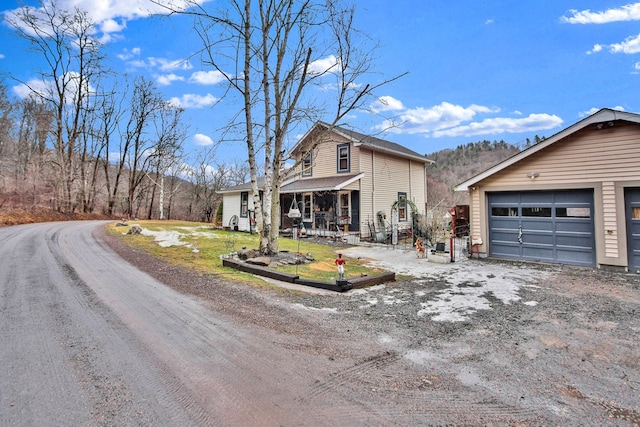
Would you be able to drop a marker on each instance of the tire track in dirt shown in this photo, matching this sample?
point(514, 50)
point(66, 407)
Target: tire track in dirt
point(339, 379)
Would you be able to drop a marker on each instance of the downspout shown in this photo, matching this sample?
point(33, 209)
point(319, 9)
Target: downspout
point(373, 186)
point(426, 190)
point(411, 197)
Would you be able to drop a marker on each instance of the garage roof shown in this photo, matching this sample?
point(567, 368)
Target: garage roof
point(604, 115)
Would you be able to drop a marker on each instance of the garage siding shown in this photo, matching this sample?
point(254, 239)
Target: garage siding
point(632, 205)
point(610, 219)
point(554, 226)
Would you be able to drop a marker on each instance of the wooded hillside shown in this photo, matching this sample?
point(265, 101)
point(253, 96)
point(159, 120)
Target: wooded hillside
point(453, 166)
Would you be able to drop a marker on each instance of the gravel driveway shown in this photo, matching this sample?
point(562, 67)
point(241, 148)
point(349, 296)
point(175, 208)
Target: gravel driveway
point(477, 342)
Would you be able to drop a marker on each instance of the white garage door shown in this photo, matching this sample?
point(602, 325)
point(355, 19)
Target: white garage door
point(546, 226)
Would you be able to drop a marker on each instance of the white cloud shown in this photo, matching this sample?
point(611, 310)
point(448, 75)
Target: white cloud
point(169, 65)
point(499, 125)
point(138, 63)
point(450, 120)
point(323, 66)
point(596, 48)
point(629, 45)
point(46, 88)
point(202, 140)
point(105, 14)
point(207, 77)
point(167, 79)
point(112, 26)
point(630, 12)
point(191, 100)
point(427, 120)
point(489, 21)
point(386, 103)
point(23, 90)
point(163, 64)
point(127, 54)
point(1, 56)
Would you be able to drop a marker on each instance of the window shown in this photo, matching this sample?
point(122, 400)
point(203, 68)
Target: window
point(244, 204)
point(343, 158)
point(402, 206)
point(537, 212)
point(573, 213)
point(504, 211)
point(306, 165)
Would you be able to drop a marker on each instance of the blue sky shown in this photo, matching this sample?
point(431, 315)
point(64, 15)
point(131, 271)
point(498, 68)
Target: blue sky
point(476, 70)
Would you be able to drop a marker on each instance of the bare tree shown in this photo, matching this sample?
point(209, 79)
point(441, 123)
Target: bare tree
point(166, 155)
point(134, 141)
point(207, 178)
point(73, 60)
point(7, 109)
point(30, 152)
point(269, 52)
point(105, 129)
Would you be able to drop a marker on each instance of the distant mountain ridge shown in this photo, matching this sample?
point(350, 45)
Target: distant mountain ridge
point(453, 166)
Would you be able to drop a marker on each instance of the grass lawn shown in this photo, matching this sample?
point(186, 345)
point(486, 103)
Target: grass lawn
point(200, 247)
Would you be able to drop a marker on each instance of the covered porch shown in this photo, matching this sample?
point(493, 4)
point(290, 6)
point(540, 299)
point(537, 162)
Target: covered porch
point(327, 205)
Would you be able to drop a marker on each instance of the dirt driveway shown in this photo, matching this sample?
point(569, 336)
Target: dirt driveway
point(472, 343)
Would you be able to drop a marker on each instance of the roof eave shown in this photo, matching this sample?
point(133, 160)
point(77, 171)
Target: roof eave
point(394, 152)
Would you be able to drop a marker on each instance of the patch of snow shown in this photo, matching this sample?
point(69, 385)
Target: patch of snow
point(165, 239)
point(324, 309)
point(469, 282)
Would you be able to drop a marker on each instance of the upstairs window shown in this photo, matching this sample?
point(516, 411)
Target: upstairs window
point(343, 158)
point(306, 165)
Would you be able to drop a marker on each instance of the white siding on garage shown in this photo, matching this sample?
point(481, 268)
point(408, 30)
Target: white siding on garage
point(589, 155)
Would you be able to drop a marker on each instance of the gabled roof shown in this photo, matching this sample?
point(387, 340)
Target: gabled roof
point(370, 142)
point(604, 115)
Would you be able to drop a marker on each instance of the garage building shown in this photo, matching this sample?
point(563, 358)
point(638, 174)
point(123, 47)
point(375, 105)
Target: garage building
point(573, 198)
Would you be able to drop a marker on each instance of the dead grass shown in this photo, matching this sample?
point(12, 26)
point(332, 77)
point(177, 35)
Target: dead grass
point(202, 248)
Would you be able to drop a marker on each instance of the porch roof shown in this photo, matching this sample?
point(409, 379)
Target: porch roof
point(331, 183)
